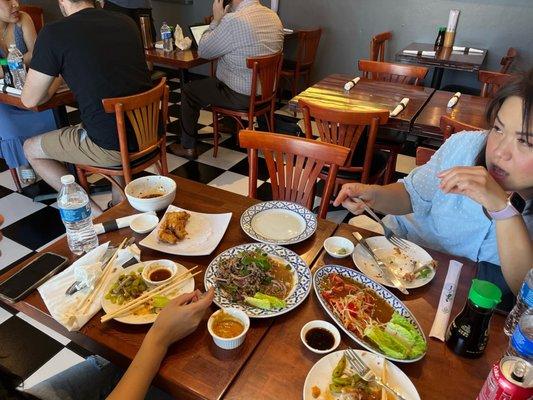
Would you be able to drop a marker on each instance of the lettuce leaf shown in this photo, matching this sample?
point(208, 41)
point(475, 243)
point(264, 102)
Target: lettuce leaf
point(274, 301)
point(259, 303)
point(400, 339)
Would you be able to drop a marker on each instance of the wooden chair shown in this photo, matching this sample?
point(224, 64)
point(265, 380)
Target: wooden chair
point(346, 128)
point(147, 113)
point(36, 14)
point(508, 59)
point(293, 166)
point(377, 46)
point(389, 72)
point(448, 127)
point(492, 82)
point(265, 75)
point(293, 70)
point(207, 20)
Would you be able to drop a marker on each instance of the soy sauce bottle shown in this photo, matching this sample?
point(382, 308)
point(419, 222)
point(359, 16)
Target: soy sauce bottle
point(439, 41)
point(468, 333)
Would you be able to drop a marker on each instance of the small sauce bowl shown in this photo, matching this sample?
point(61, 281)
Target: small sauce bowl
point(233, 342)
point(320, 325)
point(144, 223)
point(335, 244)
point(150, 270)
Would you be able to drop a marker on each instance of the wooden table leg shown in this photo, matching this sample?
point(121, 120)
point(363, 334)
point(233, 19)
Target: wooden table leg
point(437, 77)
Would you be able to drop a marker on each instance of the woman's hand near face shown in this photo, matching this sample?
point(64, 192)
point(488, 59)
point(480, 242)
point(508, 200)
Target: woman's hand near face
point(475, 183)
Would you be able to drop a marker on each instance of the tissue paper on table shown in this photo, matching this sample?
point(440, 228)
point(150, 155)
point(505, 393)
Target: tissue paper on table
point(184, 44)
point(440, 324)
point(62, 307)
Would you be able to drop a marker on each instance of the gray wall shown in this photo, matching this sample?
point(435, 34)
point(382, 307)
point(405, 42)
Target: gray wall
point(349, 24)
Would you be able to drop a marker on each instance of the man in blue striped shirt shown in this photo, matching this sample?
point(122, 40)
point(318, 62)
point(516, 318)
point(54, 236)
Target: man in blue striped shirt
point(250, 30)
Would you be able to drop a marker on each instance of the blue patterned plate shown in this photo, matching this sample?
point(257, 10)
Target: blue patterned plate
point(302, 279)
point(278, 222)
point(322, 273)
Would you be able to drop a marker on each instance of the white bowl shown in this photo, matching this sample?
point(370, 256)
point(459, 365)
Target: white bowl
point(229, 343)
point(158, 264)
point(146, 185)
point(144, 223)
point(334, 243)
point(320, 324)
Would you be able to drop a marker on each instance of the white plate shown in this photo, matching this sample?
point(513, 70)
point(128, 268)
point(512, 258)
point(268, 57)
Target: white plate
point(278, 222)
point(385, 252)
point(320, 374)
point(302, 278)
point(186, 287)
point(204, 233)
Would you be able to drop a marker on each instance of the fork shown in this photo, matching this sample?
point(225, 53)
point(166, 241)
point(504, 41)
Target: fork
point(364, 371)
point(389, 234)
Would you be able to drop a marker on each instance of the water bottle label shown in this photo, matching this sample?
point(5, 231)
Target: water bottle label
point(15, 64)
point(75, 214)
point(166, 35)
point(521, 343)
point(527, 294)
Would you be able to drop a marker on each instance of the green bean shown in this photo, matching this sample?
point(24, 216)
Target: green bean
point(339, 369)
point(342, 381)
point(335, 388)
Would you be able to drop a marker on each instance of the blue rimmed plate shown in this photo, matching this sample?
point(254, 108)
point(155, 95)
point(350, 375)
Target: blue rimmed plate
point(318, 281)
point(302, 279)
point(278, 222)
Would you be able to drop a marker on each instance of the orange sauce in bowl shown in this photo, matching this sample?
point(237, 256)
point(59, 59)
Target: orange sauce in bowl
point(227, 326)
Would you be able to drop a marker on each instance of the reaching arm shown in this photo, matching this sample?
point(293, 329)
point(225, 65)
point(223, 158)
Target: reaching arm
point(39, 88)
point(217, 41)
point(177, 320)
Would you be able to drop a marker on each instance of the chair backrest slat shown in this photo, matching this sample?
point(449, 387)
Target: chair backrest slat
point(389, 72)
point(492, 82)
point(377, 46)
point(293, 165)
point(508, 60)
point(308, 41)
point(144, 112)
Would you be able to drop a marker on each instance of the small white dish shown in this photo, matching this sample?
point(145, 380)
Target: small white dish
point(234, 342)
point(324, 325)
point(138, 192)
point(158, 264)
point(338, 246)
point(144, 223)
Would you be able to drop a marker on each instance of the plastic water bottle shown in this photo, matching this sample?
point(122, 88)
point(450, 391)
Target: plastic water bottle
point(523, 302)
point(75, 211)
point(166, 36)
point(15, 61)
point(521, 343)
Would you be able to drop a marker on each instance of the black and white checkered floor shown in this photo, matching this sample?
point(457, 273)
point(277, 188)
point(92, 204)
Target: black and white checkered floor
point(34, 351)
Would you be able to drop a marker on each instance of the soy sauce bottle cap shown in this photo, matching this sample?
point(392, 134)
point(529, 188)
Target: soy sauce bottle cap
point(484, 294)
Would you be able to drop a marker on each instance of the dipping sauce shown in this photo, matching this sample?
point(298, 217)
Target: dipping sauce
point(150, 195)
point(161, 274)
point(320, 338)
point(226, 326)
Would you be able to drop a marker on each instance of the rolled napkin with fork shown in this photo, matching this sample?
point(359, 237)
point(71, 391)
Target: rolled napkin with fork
point(400, 107)
point(351, 84)
point(118, 223)
point(453, 101)
point(468, 50)
point(423, 53)
point(440, 324)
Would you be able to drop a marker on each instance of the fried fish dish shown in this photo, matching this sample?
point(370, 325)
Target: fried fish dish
point(173, 227)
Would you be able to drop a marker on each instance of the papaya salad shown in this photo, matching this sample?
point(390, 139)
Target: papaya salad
point(363, 312)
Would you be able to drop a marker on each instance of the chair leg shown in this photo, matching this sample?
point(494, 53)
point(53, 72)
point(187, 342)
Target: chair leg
point(215, 134)
point(83, 180)
point(391, 167)
point(16, 179)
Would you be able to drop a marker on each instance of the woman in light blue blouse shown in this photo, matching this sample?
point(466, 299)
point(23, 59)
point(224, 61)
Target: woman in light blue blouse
point(458, 202)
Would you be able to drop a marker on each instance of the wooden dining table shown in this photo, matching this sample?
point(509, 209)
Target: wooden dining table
point(194, 368)
point(57, 100)
point(469, 109)
point(367, 95)
point(279, 365)
point(445, 58)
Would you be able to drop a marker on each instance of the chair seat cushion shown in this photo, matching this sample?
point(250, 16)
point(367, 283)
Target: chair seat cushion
point(138, 161)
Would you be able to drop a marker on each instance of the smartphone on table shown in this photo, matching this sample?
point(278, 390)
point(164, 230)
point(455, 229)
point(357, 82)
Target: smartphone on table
point(20, 284)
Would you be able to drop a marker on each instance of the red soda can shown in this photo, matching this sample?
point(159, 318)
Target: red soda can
point(510, 379)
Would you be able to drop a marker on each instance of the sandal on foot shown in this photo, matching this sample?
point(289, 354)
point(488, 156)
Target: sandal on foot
point(27, 175)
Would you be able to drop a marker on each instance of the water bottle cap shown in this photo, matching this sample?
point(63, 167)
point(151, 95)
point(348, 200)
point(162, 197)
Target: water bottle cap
point(484, 294)
point(12, 46)
point(67, 179)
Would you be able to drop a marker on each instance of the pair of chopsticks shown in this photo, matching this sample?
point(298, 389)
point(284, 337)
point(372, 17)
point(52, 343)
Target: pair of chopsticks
point(157, 291)
point(83, 307)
